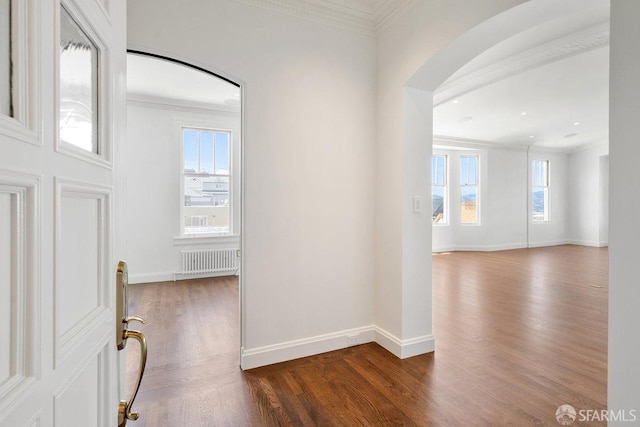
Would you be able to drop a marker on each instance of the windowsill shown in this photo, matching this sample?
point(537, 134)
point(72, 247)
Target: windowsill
point(440, 224)
point(539, 222)
point(203, 239)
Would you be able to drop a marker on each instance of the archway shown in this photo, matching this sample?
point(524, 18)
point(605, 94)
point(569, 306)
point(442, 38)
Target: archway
point(418, 144)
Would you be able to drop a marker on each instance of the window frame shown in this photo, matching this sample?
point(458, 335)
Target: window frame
point(546, 188)
point(230, 176)
point(467, 185)
point(445, 186)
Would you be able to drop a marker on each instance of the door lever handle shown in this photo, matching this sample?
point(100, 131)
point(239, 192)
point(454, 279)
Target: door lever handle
point(124, 409)
point(126, 320)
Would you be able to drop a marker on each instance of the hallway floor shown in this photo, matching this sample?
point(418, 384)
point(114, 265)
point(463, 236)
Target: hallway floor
point(518, 333)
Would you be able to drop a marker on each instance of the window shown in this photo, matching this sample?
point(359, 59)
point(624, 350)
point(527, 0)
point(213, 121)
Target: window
point(540, 194)
point(439, 189)
point(5, 58)
point(469, 189)
point(207, 178)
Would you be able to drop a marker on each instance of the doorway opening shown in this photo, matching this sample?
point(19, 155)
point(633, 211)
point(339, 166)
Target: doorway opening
point(184, 223)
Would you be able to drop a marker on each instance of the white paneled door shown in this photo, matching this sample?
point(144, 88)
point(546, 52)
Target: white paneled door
point(62, 86)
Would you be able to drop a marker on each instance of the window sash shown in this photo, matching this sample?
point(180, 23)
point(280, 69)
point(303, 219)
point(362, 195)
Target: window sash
point(541, 173)
point(540, 190)
point(468, 170)
point(217, 152)
point(439, 170)
point(206, 155)
point(439, 188)
point(468, 186)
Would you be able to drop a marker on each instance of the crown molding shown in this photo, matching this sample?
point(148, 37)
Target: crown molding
point(387, 10)
point(443, 142)
point(162, 103)
point(573, 44)
point(359, 16)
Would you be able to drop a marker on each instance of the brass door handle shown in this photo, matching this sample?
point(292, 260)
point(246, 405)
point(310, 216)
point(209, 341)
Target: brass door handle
point(123, 334)
point(124, 410)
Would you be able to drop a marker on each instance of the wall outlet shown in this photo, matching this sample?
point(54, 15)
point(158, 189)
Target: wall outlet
point(353, 339)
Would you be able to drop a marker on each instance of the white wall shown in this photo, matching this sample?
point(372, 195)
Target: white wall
point(624, 234)
point(154, 156)
point(585, 198)
point(503, 203)
point(505, 210)
point(309, 103)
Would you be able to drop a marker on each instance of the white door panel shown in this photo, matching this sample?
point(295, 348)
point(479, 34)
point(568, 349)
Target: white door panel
point(58, 356)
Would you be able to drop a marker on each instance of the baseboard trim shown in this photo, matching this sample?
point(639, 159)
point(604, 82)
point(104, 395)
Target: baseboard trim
point(170, 276)
point(290, 350)
point(549, 243)
point(480, 248)
point(593, 243)
point(510, 246)
point(404, 348)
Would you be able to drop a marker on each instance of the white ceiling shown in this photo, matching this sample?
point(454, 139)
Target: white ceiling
point(149, 78)
point(556, 73)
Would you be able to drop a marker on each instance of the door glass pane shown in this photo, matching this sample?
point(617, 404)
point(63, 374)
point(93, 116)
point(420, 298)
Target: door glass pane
point(5, 58)
point(78, 86)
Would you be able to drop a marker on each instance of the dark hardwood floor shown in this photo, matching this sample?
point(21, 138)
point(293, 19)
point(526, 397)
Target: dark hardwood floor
point(518, 333)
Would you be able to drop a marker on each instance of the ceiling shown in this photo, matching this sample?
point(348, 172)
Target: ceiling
point(152, 79)
point(546, 87)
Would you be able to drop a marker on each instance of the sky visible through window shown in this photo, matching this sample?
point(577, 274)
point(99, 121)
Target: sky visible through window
point(206, 152)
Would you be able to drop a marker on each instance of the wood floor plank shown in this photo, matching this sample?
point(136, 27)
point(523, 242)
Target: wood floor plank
point(518, 333)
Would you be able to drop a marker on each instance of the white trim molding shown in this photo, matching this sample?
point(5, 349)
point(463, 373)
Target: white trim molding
point(359, 16)
point(571, 44)
point(171, 276)
point(404, 348)
point(290, 350)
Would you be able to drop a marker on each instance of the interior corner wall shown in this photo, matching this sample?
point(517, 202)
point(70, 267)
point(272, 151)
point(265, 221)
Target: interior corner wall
point(624, 233)
point(585, 202)
point(154, 144)
point(309, 162)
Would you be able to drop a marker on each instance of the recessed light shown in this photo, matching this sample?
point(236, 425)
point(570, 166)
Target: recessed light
point(455, 101)
point(570, 135)
point(531, 136)
point(576, 123)
point(524, 113)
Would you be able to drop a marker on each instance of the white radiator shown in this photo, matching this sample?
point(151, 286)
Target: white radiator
point(209, 261)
